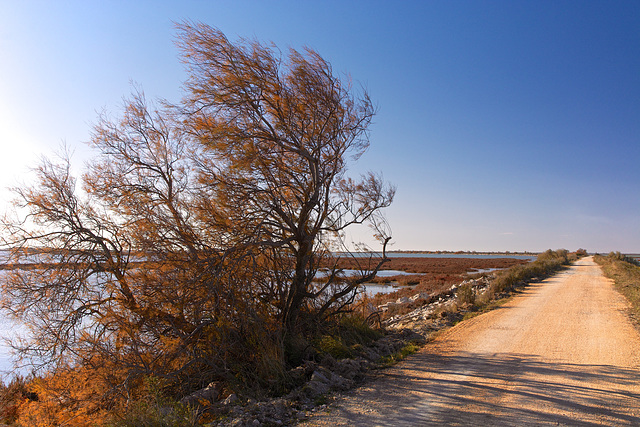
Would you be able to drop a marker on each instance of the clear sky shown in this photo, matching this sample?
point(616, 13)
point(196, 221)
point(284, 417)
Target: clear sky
point(505, 125)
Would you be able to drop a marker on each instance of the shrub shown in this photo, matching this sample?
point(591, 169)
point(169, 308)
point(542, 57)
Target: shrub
point(155, 409)
point(546, 264)
point(396, 357)
point(350, 331)
point(617, 256)
point(12, 396)
point(329, 344)
point(354, 329)
point(73, 397)
point(580, 253)
point(466, 295)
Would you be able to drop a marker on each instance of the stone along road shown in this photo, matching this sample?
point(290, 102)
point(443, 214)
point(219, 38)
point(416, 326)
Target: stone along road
point(561, 353)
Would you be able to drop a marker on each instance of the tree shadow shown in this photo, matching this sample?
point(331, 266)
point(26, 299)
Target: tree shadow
point(500, 389)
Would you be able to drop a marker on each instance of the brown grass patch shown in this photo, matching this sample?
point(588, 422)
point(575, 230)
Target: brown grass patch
point(424, 265)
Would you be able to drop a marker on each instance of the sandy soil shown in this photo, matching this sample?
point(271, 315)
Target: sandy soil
point(561, 353)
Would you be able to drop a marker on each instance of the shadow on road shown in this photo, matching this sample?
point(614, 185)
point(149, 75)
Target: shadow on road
point(475, 389)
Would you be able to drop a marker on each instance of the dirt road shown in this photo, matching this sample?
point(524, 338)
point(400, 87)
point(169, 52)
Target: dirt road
point(561, 353)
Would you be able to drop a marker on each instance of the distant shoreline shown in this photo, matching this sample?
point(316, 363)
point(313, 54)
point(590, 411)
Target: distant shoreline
point(463, 252)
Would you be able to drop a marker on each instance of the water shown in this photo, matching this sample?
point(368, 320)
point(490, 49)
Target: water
point(372, 289)
point(530, 257)
point(483, 270)
point(381, 273)
point(9, 330)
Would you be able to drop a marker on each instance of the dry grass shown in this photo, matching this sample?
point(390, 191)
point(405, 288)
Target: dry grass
point(625, 272)
point(546, 264)
point(433, 266)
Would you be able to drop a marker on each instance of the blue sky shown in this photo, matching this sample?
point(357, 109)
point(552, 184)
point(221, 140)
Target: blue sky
point(505, 125)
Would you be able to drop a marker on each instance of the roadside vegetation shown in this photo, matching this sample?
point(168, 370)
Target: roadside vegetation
point(547, 264)
point(507, 281)
point(477, 292)
point(625, 272)
point(470, 301)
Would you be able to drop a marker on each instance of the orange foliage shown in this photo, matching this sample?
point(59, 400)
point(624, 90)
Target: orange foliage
point(191, 251)
point(72, 398)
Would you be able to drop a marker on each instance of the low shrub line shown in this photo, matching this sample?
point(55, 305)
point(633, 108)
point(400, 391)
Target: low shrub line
point(506, 281)
point(547, 264)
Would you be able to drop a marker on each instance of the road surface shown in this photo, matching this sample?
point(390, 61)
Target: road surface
point(561, 353)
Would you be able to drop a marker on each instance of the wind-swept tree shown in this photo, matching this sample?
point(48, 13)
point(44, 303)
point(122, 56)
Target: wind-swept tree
point(201, 226)
point(278, 134)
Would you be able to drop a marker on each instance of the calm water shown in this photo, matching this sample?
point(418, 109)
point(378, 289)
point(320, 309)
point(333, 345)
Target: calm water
point(8, 330)
point(377, 288)
point(434, 255)
point(381, 273)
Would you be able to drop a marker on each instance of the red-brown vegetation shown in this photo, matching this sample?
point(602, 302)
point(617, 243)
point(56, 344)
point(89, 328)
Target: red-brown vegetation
point(425, 265)
point(433, 275)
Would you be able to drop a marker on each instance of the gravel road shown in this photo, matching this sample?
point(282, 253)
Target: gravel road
point(561, 353)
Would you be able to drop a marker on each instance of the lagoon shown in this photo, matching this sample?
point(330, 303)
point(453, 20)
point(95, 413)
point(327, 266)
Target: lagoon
point(441, 255)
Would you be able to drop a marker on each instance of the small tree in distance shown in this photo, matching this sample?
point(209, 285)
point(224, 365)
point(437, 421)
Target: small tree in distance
point(193, 253)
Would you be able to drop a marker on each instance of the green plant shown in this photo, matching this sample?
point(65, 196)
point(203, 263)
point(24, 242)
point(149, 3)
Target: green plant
point(155, 409)
point(401, 354)
point(342, 338)
point(354, 329)
point(465, 295)
point(333, 345)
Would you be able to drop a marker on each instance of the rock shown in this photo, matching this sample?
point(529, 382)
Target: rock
point(321, 375)
point(403, 300)
point(348, 368)
point(371, 354)
point(315, 388)
point(232, 399)
point(298, 375)
point(413, 336)
point(328, 361)
point(340, 383)
point(421, 295)
point(323, 380)
point(209, 394)
point(388, 305)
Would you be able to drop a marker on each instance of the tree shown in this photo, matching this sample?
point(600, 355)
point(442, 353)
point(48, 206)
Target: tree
point(202, 225)
point(278, 133)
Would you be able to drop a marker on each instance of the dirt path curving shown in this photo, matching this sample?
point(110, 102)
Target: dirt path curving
point(561, 353)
